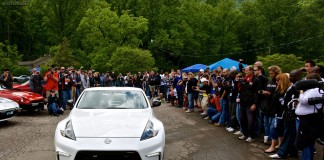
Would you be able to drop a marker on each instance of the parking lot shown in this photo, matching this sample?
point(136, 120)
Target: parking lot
point(30, 136)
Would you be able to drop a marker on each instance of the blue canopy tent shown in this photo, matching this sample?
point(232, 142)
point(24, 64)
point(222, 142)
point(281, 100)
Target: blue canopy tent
point(37, 69)
point(194, 68)
point(226, 63)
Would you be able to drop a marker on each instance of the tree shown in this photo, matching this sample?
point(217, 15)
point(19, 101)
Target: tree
point(128, 59)
point(63, 54)
point(9, 56)
point(287, 62)
point(102, 31)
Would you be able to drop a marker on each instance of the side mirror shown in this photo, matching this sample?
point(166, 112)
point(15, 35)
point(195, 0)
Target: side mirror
point(156, 102)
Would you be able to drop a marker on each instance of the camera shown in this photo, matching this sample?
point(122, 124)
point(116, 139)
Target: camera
point(315, 100)
point(310, 84)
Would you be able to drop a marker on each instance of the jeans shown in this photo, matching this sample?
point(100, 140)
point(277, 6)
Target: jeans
point(213, 114)
point(163, 89)
point(113, 83)
point(180, 97)
point(65, 94)
point(307, 153)
point(258, 121)
point(238, 114)
point(276, 128)
point(248, 119)
point(54, 108)
point(77, 93)
point(147, 89)
point(287, 145)
point(224, 113)
point(267, 123)
point(191, 101)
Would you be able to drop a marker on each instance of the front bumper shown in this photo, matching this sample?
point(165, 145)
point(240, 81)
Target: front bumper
point(95, 148)
point(33, 106)
point(7, 114)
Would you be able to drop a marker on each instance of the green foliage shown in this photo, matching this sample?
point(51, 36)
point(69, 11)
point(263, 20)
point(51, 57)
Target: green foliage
point(128, 59)
point(44, 68)
point(63, 54)
point(287, 62)
point(103, 31)
point(177, 32)
point(9, 56)
point(20, 70)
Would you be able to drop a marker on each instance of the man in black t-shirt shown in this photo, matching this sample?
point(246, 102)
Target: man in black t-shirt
point(190, 86)
point(6, 79)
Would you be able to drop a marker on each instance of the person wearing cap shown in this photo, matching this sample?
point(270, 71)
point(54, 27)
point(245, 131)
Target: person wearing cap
point(205, 90)
point(36, 80)
point(53, 104)
point(6, 79)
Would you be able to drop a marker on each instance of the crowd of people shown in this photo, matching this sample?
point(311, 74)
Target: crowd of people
point(245, 101)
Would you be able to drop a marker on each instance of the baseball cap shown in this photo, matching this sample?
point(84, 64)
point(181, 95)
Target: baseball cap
point(203, 80)
point(201, 70)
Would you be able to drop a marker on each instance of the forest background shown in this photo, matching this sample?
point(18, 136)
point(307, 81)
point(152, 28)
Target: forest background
point(139, 35)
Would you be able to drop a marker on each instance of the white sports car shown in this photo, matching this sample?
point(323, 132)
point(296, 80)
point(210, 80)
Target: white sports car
point(115, 123)
point(8, 109)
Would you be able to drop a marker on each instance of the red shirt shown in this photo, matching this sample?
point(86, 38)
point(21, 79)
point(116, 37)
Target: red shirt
point(51, 83)
point(216, 101)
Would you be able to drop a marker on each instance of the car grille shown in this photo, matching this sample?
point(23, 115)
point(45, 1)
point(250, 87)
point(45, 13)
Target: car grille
point(104, 155)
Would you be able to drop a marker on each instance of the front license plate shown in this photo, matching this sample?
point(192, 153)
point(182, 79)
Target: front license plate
point(35, 104)
point(9, 113)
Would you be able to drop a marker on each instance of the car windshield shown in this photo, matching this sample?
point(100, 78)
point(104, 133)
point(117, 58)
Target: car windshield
point(108, 99)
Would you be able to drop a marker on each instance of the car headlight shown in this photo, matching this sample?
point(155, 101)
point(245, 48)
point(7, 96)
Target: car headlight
point(149, 131)
point(68, 131)
point(15, 104)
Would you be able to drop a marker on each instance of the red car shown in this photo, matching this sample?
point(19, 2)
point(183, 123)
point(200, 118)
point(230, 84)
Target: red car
point(26, 100)
point(26, 87)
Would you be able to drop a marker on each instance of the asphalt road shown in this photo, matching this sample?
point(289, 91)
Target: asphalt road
point(188, 137)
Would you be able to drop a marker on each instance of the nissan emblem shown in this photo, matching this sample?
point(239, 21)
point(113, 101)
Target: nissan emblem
point(107, 141)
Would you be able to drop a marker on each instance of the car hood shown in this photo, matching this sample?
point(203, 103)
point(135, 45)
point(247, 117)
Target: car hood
point(109, 123)
point(6, 104)
point(27, 95)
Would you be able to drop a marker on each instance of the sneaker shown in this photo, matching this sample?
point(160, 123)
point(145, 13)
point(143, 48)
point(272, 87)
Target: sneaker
point(275, 156)
point(207, 118)
point(231, 130)
point(242, 137)
point(320, 141)
point(238, 133)
point(202, 114)
point(189, 111)
point(227, 128)
point(249, 139)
